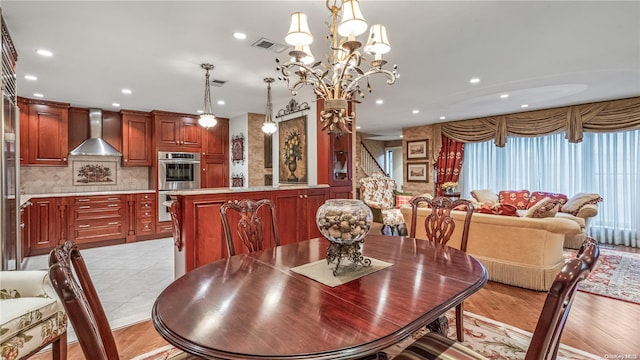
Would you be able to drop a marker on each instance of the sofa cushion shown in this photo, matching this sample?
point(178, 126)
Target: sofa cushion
point(517, 198)
point(402, 198)
point(485, 196)
point(546, 207)
point(579, 200)
point(20, 314)
point(578, 220)
point(497, 209)
point(536, 196)
point(423, 204)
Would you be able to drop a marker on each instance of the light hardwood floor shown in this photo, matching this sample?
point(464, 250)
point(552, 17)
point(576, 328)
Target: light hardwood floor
point(596, 324)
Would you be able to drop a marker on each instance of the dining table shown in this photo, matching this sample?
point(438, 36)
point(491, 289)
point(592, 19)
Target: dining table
point(256, 306)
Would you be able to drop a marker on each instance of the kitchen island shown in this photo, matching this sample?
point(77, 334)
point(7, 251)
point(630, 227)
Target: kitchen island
point(198, 230)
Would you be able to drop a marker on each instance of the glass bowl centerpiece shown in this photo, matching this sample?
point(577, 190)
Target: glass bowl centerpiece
point(344, 223)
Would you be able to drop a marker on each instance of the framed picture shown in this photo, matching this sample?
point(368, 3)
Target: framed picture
point(292, 151)
point(417, 149)
point(95, 173)
point(418, 172)
point(237, 149)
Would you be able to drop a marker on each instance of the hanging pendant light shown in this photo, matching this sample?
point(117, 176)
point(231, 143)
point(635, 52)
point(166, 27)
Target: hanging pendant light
point(207, 119)
point(269, 126)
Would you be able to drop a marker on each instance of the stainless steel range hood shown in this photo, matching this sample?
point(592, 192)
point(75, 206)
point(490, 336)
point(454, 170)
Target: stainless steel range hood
point(95, 145)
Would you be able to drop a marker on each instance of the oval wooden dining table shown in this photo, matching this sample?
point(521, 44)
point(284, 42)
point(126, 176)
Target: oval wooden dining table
point(252, 306)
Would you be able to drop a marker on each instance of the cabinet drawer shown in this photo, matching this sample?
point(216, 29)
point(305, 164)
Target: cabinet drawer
point(97, 231)
point(87, 212)
point(146, 205)
point(143, 197)
point(146, 227)
point(146, 213)
point(165, 227)
point(84, 200)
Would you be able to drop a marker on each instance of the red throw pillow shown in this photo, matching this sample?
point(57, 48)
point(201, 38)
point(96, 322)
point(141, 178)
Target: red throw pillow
point(498, 209)
point(402, 200)
point(517, 198)
point(536, 196)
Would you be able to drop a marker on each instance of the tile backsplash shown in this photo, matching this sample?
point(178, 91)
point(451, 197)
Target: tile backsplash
point(56, 179)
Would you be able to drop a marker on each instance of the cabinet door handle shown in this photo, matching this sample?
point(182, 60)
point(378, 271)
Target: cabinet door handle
point(113, 198)
point(300, 196)
point(84, 200)
point(125, 160)
point(113, 205)
point(84, 226)
point(84, 207)
point(64, 159)
point(204, 169)
point(305, 196)
point(113, 223)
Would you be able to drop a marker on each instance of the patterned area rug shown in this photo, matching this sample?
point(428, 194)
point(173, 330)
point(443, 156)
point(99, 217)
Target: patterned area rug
point(616, 275)
point(492, 339)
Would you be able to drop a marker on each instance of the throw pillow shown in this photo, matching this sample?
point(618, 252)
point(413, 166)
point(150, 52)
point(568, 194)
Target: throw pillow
point(536, 196)
point(579, 200)
point(402, 199)
point(497, 209)
point(517, 198)
point(485, 196)
point(546, 207)
point(424, 204)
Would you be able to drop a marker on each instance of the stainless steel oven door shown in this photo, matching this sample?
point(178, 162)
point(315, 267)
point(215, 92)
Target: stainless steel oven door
point(163, 210)
point(178, 174)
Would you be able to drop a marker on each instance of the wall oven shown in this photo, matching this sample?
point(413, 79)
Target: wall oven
point(176, 171)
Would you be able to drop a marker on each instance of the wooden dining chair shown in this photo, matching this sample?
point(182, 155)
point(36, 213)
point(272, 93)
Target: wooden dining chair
point(82, 304)
point(250, 227)
point(546, 336)
point(439, 227)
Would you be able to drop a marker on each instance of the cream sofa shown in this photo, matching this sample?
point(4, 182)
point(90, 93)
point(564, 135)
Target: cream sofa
point(524, 252)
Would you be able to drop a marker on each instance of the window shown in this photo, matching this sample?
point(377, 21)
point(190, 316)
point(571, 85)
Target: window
point(607, 164)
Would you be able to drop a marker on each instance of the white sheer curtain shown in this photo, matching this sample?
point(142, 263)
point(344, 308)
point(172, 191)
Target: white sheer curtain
point(607, 164)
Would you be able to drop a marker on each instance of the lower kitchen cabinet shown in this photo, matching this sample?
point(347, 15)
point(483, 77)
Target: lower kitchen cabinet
point(98, 218)
point(47, 225)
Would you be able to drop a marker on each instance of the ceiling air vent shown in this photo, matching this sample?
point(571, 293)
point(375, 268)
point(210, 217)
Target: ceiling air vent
point(270, 45)
point(217, 83)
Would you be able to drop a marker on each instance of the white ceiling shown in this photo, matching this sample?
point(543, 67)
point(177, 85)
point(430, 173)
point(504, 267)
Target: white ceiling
point(544, 54)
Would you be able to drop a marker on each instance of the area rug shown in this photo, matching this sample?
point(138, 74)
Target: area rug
point(616, 275)
point(494, 340)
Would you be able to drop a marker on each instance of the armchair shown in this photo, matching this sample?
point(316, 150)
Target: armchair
point(32, 316)
point(377, 192)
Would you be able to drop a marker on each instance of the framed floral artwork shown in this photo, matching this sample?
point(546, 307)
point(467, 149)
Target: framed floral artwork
point(237, 149)
point(417, 149)
point(94, 173)
point(418, 172)
point(292, 151)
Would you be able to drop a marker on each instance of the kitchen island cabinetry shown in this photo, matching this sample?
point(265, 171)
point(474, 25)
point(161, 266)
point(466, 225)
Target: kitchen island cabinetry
point(199, 236)
point(177, 132)
point(47, 132)
point(136, 138)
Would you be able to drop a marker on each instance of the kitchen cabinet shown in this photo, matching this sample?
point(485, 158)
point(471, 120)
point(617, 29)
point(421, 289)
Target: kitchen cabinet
point(145, 214)
point(47, 225)
point(47, 133)
point(214, 162)
point(216, 139)
point(176, 132)
point(98, 218)
point(301, 205)
point(214, 172)
point(136, 138)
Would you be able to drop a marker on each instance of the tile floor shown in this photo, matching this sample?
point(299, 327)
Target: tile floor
point(127, 277)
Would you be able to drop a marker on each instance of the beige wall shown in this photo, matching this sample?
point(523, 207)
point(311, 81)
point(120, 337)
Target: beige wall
point(255, 141)
point(418, 133)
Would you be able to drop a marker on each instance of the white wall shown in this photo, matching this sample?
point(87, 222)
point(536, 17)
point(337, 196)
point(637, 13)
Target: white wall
point(239, 125)
point(397, 166)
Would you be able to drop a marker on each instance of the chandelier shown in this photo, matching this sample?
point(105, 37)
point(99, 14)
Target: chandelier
point(269, 127)
point(207, 119)
point(336, 81)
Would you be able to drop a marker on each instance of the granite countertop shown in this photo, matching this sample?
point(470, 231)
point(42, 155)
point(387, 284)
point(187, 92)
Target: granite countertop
point(239, 190)
point(26, 197)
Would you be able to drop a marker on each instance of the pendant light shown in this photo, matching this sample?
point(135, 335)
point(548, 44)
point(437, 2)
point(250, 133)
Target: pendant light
point(269, 127)
point(207, 119)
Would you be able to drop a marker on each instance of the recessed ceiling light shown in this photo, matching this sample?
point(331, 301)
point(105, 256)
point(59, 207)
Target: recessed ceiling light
point(416, 111)
point(524, 105)
point(38, 95)
point(401, 136)
point(126, 91)
point(474, 80)
point(443, 117)
point(115, 104)
point(239, 35)
point(379, 102)
point(221, 102)
point(31, 77)
point(357, 127)
point(200, 112)
point(44, 52)
point(504, 96)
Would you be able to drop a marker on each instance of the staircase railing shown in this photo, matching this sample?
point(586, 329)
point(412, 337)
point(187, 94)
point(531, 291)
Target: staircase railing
point(368, 162)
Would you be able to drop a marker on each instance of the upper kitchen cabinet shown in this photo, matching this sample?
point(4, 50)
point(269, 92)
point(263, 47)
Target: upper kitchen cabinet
point(47, 132)
point(177, 131)
point(136, 138)
point(216, 139)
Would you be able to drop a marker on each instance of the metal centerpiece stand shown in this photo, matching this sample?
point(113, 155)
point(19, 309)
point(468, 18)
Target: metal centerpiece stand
point(345, 223)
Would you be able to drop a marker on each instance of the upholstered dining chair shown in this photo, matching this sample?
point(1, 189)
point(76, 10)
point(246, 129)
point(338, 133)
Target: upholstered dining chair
point(439, 227)
point(251, 227)
point(546, 336)
point(83, 307)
